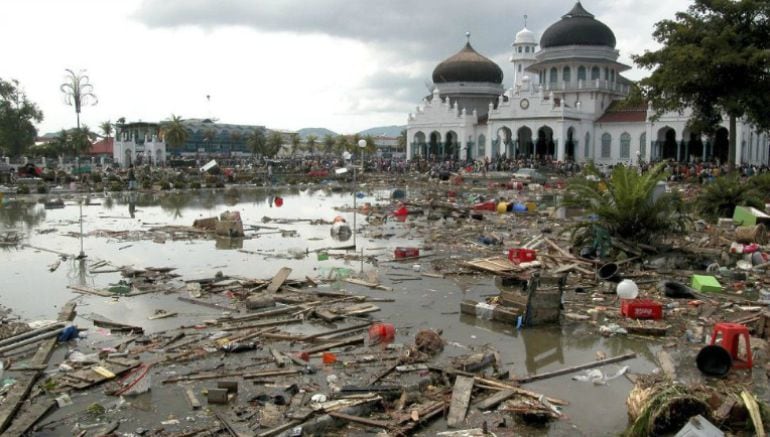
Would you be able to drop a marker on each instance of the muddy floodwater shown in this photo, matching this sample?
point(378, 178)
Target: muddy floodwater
point(33, 292)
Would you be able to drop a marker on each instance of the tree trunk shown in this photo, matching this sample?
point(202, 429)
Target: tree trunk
point(732, 156)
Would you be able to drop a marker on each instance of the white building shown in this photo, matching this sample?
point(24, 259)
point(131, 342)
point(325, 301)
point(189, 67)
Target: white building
point(138, 143)
point(565, 102)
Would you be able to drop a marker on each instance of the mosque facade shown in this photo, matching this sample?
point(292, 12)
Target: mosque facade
point(565, 103)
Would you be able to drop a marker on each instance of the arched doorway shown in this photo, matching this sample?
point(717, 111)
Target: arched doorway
point(129, 157)
point(506, 143)
point(694, 146)
point(419, 147)
point(569, 146)
point(544, 147)
point(524, 140)
point(667, 143)
point(587, 147)
point(481, 147)
point(451, 147)
point(721, 145)
point(158, 157)
point(434, 145)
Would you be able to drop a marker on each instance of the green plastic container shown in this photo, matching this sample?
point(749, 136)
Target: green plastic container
point(706, 283)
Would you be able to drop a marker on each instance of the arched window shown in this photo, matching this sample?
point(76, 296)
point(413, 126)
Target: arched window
point(554, 73)
point(526, 49)
point(540, 73)
point(595, 73)
point(625, 146)
point(606, 145)
point(581, 73)
point(519, 68)
point(566, 74)
point(519, 49)
point(587, 148)
point(606, 73)
point(612, 75)
point(643, 146)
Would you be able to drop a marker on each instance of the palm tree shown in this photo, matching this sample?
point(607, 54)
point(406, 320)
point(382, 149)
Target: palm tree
point(371, 147)
point(328, 143)
point(294, 143)
point(174, 132)
point(81, 140)
point(341, 144)
point(235, 138)
point(311, 143)
point(353, 144)
point(257, 142)
point(78, 91)
point(61, 142)
point(625, 205)
point(274, 143)
point(402, 141)
point(106, 128)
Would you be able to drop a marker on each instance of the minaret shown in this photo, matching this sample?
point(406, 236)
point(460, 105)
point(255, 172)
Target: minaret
point(523, 55)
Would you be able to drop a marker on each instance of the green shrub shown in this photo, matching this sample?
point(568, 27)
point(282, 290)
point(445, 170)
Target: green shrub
point(147, 184)
point(96, 178)
point(219, 184)
point(720, 197)
point(624, 205)
point(116, 186)
point(42, 188)
point(23, 189)
point(180, 185)
point(165, 185)
point(195, 185)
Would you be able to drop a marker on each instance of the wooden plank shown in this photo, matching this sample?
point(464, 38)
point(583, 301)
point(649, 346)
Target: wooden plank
point(667, 364)
point(191, 399)
point(360, 420)
point(30, 415)
point(495, 399)
point(207, 304)
point(16, 397)
point(328, 346)
point(576, 368)
point(279, 279)
point(461, 396)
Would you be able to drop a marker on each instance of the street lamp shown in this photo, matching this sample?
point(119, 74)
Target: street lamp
point(362, 145)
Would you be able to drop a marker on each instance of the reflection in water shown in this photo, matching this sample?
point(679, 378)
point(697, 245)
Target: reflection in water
point(16, 212)
point(132, 204)
point(543, 347)
point(78, 274)
point(227, 243)
point(176, 202)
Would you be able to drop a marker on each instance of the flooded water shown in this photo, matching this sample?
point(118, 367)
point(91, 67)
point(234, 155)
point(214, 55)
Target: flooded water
point(113, 235)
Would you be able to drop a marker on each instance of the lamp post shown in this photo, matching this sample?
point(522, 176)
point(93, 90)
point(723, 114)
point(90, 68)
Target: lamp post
point(362, 145)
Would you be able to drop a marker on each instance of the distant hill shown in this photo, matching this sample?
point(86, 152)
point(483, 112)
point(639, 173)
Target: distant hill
point(387, 131)
point(319, 132)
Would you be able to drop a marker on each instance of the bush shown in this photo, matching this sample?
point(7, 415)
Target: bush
point(720, 197)
point(165, 185)
point(116, 186)
point(219, 184)
point(23, 189)
point(96, 178)
point(42, 188)
point(624, 205)
point(195, 185)
point(180, 185)
point(147, 184)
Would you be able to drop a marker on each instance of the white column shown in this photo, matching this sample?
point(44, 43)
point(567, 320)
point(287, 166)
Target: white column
point(488, 146)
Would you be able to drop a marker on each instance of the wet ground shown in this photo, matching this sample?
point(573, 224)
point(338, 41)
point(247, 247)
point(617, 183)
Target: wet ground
point(34, 293)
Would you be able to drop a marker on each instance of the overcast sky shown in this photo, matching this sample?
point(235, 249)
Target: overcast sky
point(346, 65)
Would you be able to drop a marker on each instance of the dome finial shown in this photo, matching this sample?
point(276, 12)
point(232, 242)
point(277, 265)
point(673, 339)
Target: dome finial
point(525, 21)
point(468, 37)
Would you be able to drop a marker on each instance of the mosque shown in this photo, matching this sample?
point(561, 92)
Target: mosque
point(564, 103)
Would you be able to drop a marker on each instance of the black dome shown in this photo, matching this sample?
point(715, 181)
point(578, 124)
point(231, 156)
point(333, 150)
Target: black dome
point(578, 28)
point(467, 65)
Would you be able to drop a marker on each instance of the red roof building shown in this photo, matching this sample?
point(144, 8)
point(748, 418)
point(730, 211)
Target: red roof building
point(102, 147)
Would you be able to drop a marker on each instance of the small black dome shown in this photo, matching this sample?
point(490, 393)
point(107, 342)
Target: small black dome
point(467, 65)
point(578, 28)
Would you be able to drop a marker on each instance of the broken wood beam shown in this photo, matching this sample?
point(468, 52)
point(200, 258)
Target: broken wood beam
point(361, 420)
point(461, 397)
point(494, 400)
point(572, 369)
point(326, 347)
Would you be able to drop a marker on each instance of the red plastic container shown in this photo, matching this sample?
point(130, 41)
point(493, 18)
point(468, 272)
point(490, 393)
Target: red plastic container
point(382, 333)
point(329, 358)
point(485, 206)
point(641, 309)
point(406, 252)
point(521, 255)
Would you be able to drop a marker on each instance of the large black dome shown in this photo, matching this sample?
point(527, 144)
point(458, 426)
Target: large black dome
point(578, 28)
point(467, 65)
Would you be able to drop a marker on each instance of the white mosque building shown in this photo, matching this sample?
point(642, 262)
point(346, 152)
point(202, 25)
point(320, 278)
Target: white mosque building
point(565, 103)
